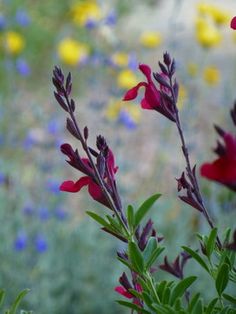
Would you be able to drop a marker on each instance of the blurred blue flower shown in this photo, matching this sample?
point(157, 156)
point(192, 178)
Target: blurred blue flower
point(22, 67)
point(127, 120)
point(29, 141)
point(53, 126)
point(53, 186)
point(2, 178)
point(90, 24)
point(20, 241)
point(111, 18)
point(3, 22)
point(22, 18)
point(133, 62)
point(28, 210)
point(60, 213)
point(41, 243)
point(44, 213)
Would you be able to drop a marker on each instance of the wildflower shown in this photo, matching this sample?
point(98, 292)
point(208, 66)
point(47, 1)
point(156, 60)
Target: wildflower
point(126, 79)
point(14, 43)
point(111, 18)
point(44, 213)
point(152, 97)
point(23, 67)
point(218, 15)
point(120, 59)
point(41, 243)
point(223, 169)
point(176, 268)
point(233, 23)
point(3, 21)
point(211, 75)
point(83, 165)
point(150, 39)
point(86, 11)
point(22, 18)
point(28, 210)
point(113, 109)
point(207, 35)
point(20, 241)
point(72, 52)
point(60, 213)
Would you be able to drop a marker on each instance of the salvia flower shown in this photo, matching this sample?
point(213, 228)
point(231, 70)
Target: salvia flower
point(223, 169)
point(176, 268)
point(233, 23)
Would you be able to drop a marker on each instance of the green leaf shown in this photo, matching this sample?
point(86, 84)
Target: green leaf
point(162, 309)
point(197, 257)
point(144, 208)
point(222, 278)
point(130, 216)
point(181, 287)
point(198, 308)
point(99, 219)
point(193, 302)
point(15, 305)
point(154, 256)
point(229, 298)
point(147, 299)
point(166, 295)
point(136, 257)
point(210, 245)
point(116, 225)
point(133, 306)
point(150, 247)
point(211, 306)
point(2, 296)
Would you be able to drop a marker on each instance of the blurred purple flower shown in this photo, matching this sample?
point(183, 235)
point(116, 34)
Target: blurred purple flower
point(133, 62)
point(28, 210)
point(127, 120)
point(20, 241)
point(41, 243)
point(22, 67)
point(60, 213)
point(53, 186)
point(90, 24)
point(3, 22)
point(2, 178)
point(44, 213)
point(111, 18)
point(22, 18)
point(53, 126)
point(29, 141)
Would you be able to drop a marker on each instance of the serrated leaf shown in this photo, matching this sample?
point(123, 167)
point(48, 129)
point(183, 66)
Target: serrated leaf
point(222, 278)
point(133, 306)
point(130, 216)
point(210, 245)
point(154, 256)
point(181, 287)
point(144, 208)
point(197, 257)
point(211, 306)
point(229, 298)
point(136, 257)
point(18, 299)
point(2, 296)
point(98, 219)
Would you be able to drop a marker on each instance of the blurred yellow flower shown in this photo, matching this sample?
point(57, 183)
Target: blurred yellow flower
point(113, 109)
point(120, 59)
point(219, 15)
point(150, 39)
point(84, 11)
point(192, 69)
point(182, 96)
point(126, 79)
point(14, 42)
point(208, 35)
point(211, 75)
point(71, 52)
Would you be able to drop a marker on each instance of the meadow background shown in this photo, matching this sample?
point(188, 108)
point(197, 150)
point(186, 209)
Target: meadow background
point(48, 244)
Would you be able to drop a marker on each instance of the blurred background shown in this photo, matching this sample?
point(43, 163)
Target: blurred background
point(47, 242)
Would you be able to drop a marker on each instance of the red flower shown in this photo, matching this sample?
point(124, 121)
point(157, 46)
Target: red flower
point(223, 169)
point(84, 166)
point(153, 97)
point(121, 290)
point(233, 23)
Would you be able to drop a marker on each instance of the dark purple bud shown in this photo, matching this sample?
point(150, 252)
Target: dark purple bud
point(93, 152)
point(163, 68)
point(71, 128)
point(220, 149)
point(68, 84)
point(101, 164)
point(60, 101)
point(161, 80)
point(144, 235)
point(72, 105)
point(182, 183)
point(190, 201)
point(102, 145)
point(172, 67)
point(176, 90)
point(124, 281)
point(122, 255)
point(167, 59)
point(86, 133)
point(219, 130)
point(171, 268)
point(58, 74)
point(58, 86)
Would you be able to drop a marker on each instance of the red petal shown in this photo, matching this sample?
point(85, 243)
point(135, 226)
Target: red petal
point(145, 104)
point(222, 170)
point(233, 23)
point(133, 92)
point(123, 292)
point(146, 71)
point(73, 187)
point(230, 143)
